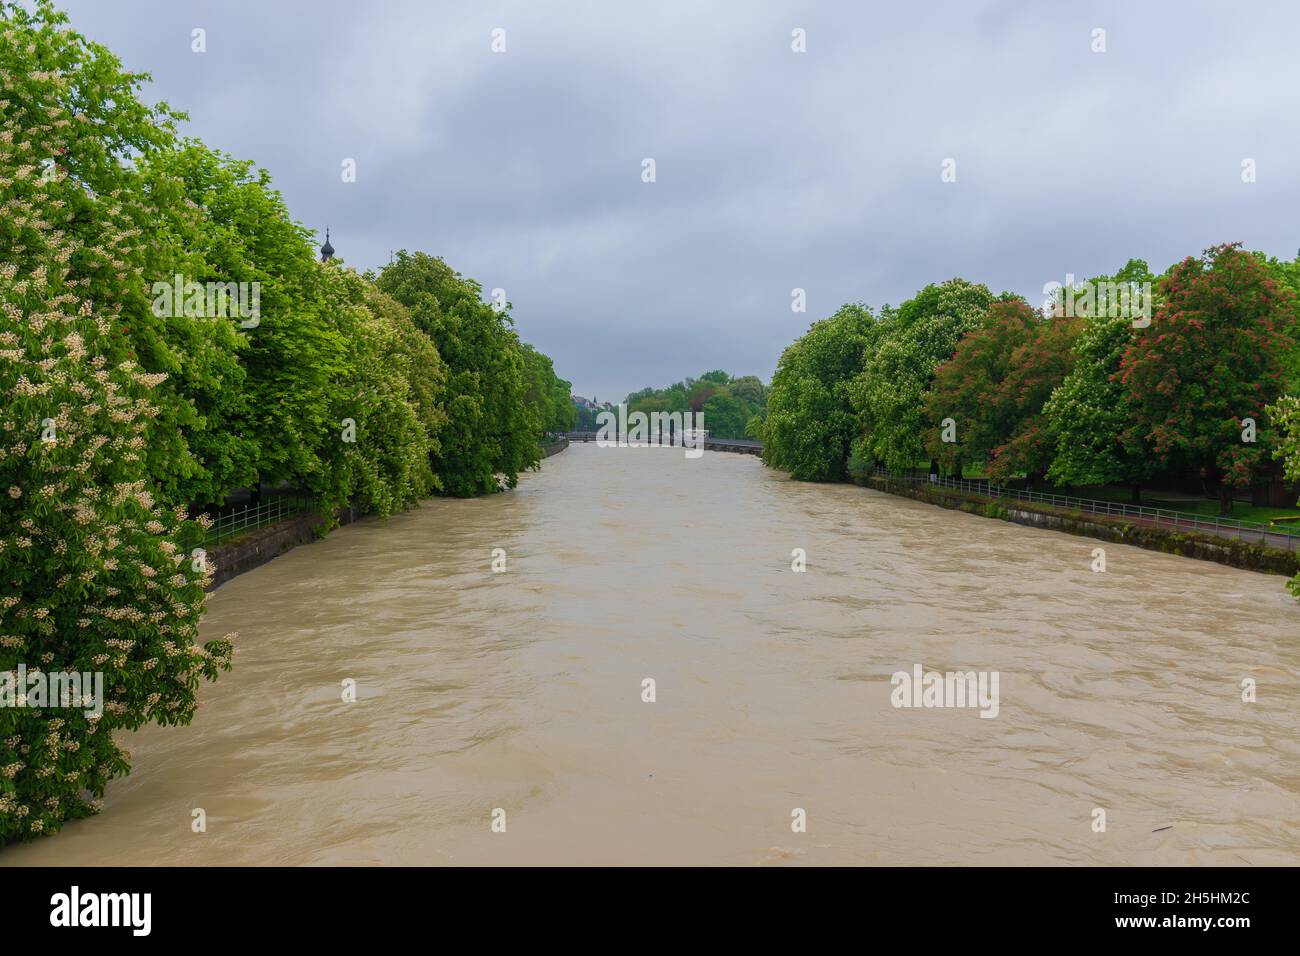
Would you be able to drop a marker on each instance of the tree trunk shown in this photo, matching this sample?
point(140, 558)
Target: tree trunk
point(1136, 495)
point(956, 472)
point(1225, 498)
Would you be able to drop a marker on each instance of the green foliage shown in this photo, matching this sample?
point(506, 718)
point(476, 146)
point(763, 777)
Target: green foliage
point(123, 406)
point(1090, 398)
point(994, 387)
point(95, 138)
point(382, 462)
point(202, 447)
point(421, 365)
point(324, 347)
point(1087, 416)
point(586, 419)
point(547, 394)
point(490, 428)
point(93, 579)
point(725, 416)
point(728, 404)
point(1286, 417)
point(1210, 359)
point(810, 423)
point(1287, 275)
point(915, 339)
point(294, 358)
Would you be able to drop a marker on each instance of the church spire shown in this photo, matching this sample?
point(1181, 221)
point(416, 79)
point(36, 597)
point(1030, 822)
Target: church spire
point(326, 251)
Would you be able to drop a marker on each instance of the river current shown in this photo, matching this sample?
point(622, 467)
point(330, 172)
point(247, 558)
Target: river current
point(519, 696)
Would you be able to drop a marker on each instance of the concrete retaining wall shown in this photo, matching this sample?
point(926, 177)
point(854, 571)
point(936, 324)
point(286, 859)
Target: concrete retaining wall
point(261, 546)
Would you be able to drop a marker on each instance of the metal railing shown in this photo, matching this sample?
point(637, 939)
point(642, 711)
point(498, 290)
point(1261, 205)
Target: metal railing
point(1157, 517)
point(249, 518)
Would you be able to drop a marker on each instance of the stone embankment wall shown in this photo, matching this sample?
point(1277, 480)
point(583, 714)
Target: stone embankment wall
point(1189, 544)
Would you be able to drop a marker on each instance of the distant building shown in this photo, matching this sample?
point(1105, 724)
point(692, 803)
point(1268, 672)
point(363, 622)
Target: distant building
point(326, 251)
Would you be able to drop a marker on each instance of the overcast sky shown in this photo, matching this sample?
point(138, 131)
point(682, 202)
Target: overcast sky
point(775, 169)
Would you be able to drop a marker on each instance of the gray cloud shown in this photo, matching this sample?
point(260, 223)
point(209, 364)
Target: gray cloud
point(775, 169)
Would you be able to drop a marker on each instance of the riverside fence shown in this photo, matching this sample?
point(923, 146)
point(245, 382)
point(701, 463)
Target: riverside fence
point(1156, 517)
point(249, 518)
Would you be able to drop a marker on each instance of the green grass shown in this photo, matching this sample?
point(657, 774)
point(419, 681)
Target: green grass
point(1202, 508)
point(1240, 512)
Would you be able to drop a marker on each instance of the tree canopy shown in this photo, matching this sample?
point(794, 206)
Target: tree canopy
point(994, 387)
point(490, 430)
point(810, 422)
point(168, 339)
point(1087, 415)
point(1211, 360)
point(915, 339)
point(730, 406)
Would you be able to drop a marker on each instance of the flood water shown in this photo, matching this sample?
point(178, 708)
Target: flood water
point(522, 690)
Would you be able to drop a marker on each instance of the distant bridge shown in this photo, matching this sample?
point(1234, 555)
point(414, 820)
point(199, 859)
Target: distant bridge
point(745, 446)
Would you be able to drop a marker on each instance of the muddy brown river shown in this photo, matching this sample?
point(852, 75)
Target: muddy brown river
point(522, 691)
